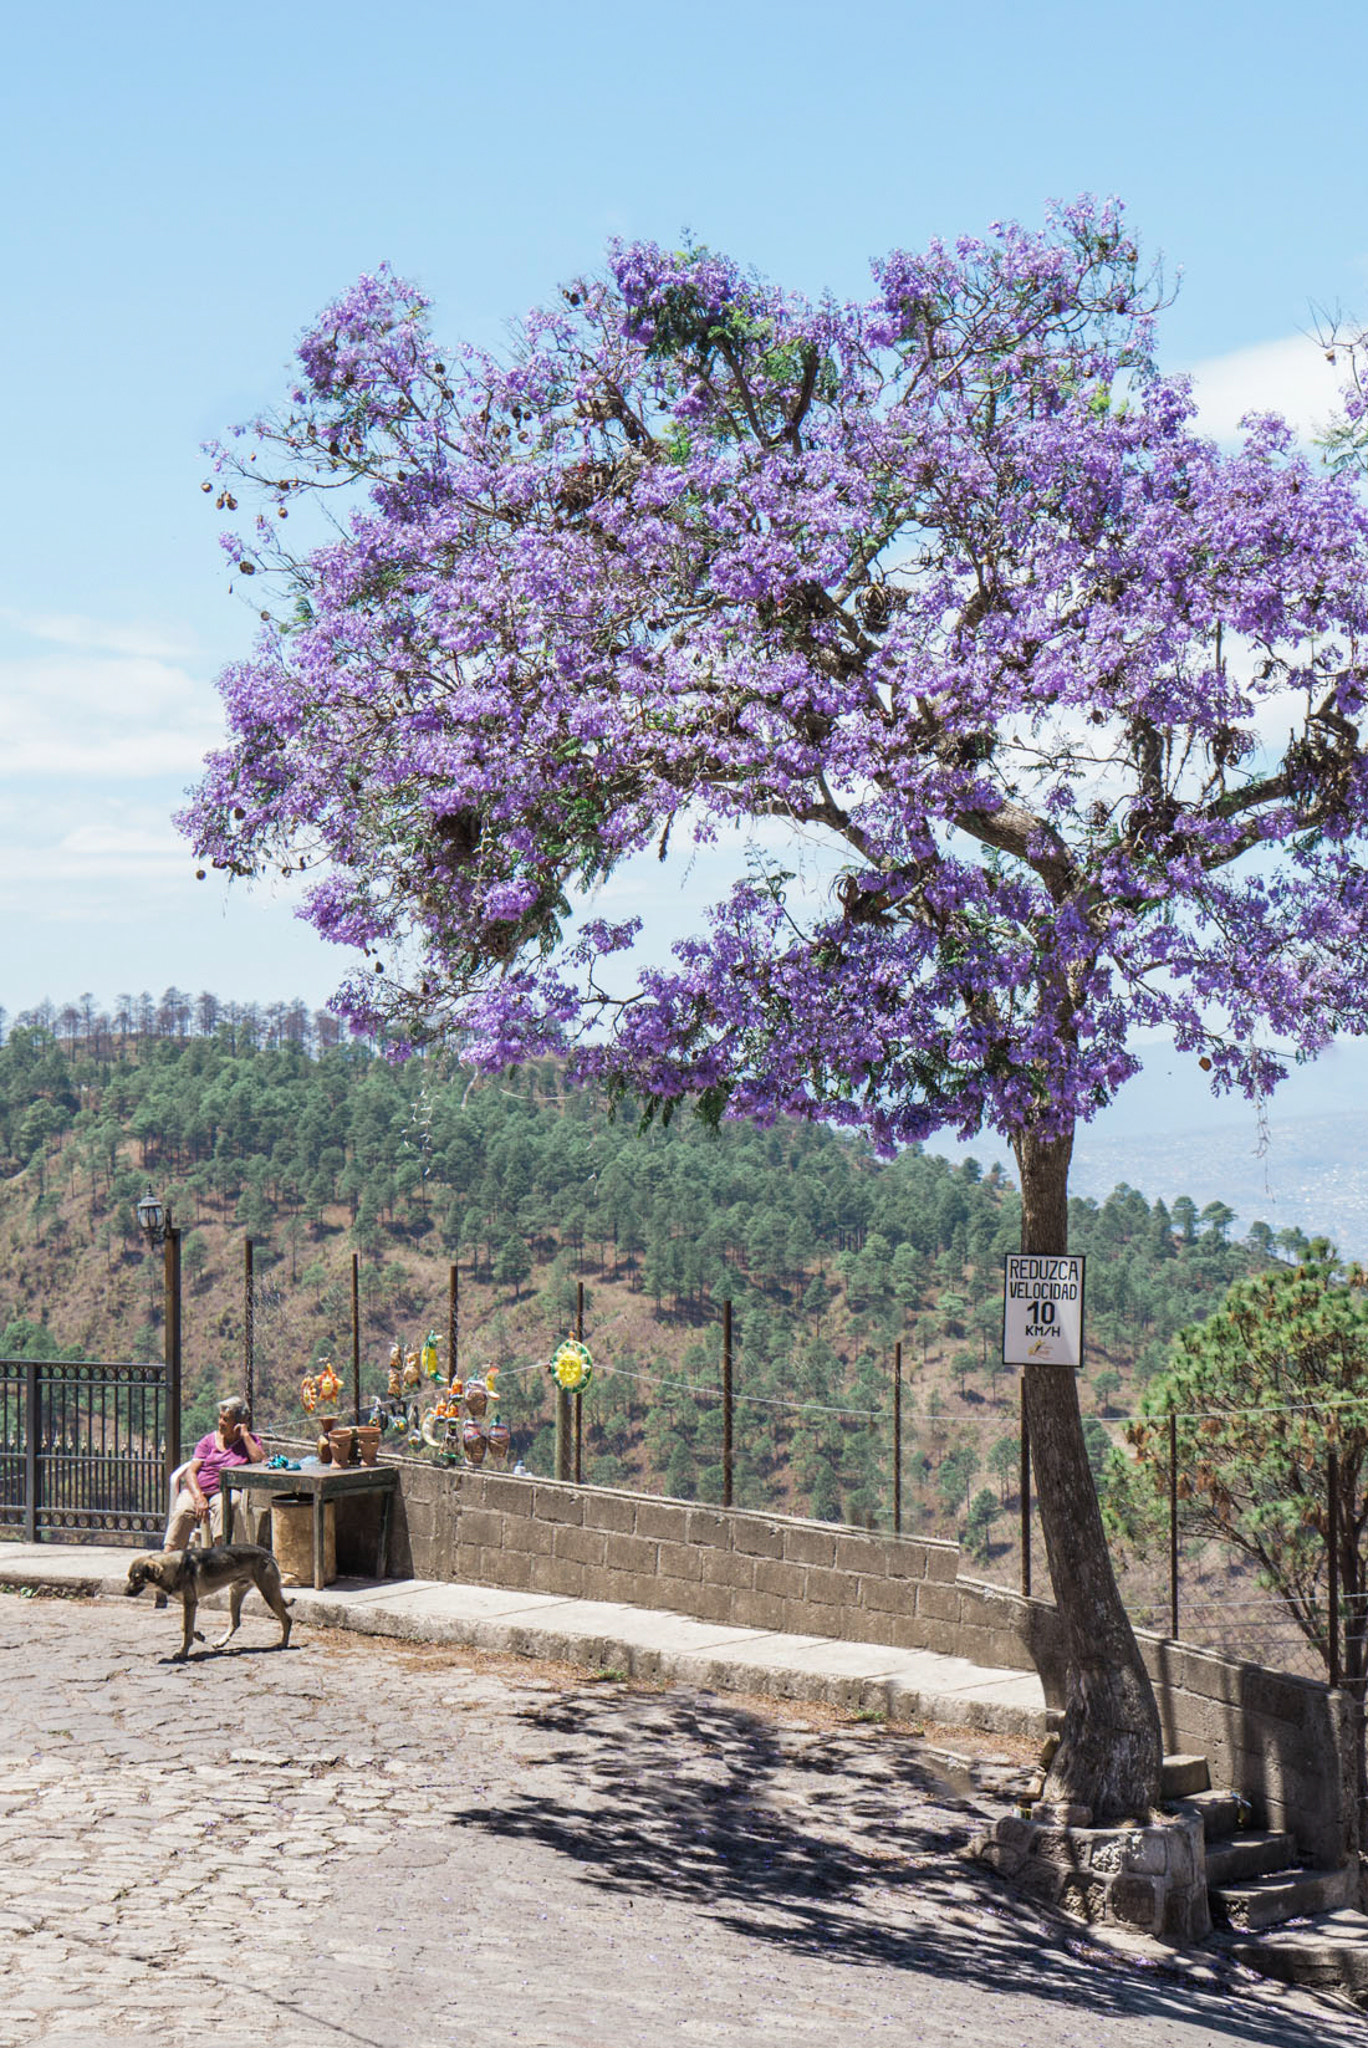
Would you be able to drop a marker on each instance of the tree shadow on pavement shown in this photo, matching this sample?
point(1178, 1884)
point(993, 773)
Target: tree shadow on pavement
point(834, 1846)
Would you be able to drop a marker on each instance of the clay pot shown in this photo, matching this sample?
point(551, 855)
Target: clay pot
point(326, 1425)
point(368, 1443)
point(473, 1442)
point(343, 1443)
point(498, 1436)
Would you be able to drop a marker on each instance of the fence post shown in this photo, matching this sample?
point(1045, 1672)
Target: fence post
point(579, 1396)
point(565, 1432)
point(1333, 1506)
point(356, 1336)
point(248, 1328)
point(726, 1404)
point(1173, 1527)
point(33, 1422)
point(897, 1438)
point(453, 1321)
point(1025, 1495)
point(565, 1413)
point(171, 1269)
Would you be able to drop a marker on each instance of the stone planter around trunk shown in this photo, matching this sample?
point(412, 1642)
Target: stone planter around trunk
point(1151, 1880)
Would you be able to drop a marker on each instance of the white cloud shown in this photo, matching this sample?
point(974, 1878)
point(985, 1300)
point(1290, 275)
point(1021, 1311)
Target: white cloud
point(1291, 377)
point(101, 861)
point(105, 719)
point(73, 629)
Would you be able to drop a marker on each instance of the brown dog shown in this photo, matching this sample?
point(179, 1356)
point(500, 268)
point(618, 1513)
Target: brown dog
point(194, 1573)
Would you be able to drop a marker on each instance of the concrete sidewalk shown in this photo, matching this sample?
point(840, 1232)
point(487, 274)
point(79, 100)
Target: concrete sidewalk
point(903, 1685)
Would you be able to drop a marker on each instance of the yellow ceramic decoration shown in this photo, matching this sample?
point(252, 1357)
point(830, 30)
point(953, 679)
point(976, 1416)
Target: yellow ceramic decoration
point(413, 1371)
point(572, 1367)
point(431, 1363)
point(308, 1394)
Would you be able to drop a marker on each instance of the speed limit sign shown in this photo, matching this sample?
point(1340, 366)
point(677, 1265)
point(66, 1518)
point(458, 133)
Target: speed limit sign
point(1042, 1309)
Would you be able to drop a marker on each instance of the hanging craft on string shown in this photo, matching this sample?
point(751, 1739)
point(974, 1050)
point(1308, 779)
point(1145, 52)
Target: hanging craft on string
point(571, 1366)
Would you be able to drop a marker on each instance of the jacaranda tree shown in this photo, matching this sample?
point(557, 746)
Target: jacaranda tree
point(946, 583)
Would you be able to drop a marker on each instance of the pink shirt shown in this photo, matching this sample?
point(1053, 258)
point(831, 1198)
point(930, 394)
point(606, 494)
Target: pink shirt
point(213, 1457)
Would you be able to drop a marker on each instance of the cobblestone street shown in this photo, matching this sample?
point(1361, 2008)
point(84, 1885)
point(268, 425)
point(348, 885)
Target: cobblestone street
point(365, 1842)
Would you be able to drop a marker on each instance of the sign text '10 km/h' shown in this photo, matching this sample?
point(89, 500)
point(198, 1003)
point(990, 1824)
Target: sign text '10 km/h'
point(1042, 1309)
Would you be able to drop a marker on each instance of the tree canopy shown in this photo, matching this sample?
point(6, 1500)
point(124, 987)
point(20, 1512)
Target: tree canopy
point(1262, 1392)
point(946, 580)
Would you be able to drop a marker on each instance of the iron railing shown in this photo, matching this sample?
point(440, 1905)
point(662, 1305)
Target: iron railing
point(83, 1450)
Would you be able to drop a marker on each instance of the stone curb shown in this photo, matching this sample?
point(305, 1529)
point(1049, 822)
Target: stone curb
point(722, 1666)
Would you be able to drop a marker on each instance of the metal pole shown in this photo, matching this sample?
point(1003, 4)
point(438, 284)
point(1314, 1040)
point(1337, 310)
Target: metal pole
point(897, 1438)
point(356, 1337)
point(453, 1321)
point(1025, 1496)
point(1173, 1527)
point(1333, 1504)
point(726, 1404)
point(248, 1328)
point(172, 1272)
point(579, 1397)
point(33, 1423)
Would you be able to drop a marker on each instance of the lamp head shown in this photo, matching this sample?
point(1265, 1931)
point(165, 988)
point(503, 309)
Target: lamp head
point(152, 1219)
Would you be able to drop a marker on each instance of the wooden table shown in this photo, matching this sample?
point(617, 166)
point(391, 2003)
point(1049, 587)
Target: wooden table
point(323, 1483)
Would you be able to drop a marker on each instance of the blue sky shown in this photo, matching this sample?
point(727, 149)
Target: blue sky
point(184, 187)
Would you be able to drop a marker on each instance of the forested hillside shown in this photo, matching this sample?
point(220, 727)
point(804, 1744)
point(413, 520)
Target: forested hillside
point(266, 1124)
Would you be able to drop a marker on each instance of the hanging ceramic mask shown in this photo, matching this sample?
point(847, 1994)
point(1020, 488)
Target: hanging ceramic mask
point(571, 1366)
point(308, 1394)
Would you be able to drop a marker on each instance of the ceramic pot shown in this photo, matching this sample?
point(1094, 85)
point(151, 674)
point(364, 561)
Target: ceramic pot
point(326, 1425)
point(498, 1436)
point(343, 1443)
point(368, 1443)
point(473, 1442)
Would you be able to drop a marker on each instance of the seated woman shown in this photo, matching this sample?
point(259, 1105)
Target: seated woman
point(200, 1498)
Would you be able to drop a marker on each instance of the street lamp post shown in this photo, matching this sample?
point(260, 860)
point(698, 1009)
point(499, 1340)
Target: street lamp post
point(158, 1229)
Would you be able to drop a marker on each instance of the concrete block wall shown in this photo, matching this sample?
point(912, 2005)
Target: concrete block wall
point(1285, 1743)
point(746, 1570)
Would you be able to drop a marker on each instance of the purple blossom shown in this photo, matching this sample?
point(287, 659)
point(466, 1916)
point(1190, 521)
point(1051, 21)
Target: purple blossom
point(947, 579)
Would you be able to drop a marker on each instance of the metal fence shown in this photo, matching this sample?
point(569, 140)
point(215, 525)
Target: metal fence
point(83, 1450)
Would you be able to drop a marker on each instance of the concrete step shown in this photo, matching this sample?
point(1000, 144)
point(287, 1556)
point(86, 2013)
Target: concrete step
point(1253, 1854)
point(1290, 1895)
point(1327, 1953)
point(1220, 1813)
point(1184, 1775)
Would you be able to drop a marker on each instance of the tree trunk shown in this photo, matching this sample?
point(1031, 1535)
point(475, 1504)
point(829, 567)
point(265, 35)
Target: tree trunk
point(1111, 1747)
